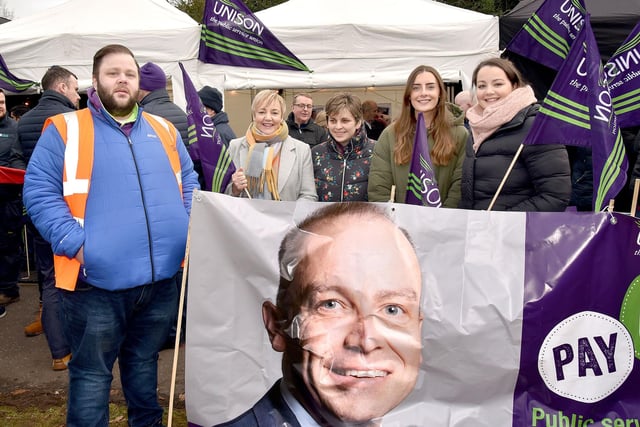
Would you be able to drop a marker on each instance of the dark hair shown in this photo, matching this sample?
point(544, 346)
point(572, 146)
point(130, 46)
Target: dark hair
point(18, 110)
point(444, 147)
point(54, 75)
point(513, 74)
point(109, 50)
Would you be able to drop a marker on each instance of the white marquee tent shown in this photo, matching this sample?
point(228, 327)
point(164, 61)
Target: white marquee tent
point(346, 43)
point(359, 43)
point(70, 33)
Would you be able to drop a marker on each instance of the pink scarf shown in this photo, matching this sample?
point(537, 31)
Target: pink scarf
point(484, 123)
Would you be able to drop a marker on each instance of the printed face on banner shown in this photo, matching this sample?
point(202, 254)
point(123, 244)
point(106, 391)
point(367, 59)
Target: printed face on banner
point(357, 336)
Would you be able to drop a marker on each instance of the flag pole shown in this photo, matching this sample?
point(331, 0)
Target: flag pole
point(634, 201)
point(506, 175)
point(176, 347)
point(392, 198)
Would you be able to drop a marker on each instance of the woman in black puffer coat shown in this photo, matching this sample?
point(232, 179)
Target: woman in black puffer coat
point(504, 113)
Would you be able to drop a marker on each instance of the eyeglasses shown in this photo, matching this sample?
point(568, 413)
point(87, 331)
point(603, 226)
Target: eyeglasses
point(304, 106)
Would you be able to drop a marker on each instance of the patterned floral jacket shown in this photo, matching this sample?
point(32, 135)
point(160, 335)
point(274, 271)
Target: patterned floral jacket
point(342, 173)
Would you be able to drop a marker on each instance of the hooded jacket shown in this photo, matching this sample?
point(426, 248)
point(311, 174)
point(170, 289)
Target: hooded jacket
point(136, 220)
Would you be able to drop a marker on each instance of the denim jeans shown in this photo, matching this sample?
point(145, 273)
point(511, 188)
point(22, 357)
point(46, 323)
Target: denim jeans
point(49, 296)
point(10, 246)
point(130, 325)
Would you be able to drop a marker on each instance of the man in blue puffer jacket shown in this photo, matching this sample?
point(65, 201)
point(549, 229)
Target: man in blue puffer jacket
point(110, 188)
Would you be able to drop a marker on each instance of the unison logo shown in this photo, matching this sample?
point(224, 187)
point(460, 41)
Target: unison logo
point(586, 357)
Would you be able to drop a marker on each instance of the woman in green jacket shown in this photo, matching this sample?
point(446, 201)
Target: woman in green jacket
point(425, 93)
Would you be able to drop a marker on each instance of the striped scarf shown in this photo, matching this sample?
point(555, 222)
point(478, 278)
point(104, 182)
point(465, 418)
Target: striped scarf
point(263, 161)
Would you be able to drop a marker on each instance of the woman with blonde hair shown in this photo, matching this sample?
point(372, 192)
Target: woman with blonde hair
point(269, 163)
point(424, 93)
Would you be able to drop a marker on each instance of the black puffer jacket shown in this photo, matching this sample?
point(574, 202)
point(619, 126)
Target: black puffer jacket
point(342, 176)
point(159, 103)
point(30, 124)
point(10, 156)
point(539, 181)
point(311, 133)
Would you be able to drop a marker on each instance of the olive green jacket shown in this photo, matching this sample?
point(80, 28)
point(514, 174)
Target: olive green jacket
point(384, 172)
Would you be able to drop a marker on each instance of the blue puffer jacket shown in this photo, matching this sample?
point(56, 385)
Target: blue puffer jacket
point(136, 221)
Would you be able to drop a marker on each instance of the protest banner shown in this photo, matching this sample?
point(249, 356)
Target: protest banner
point(422, 187)
point(530, 319)
point(10, 82)
point(205, 145)
point(233, 35)
point(578, 111)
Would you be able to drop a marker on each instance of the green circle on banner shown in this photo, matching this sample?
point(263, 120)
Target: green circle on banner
point(630, 313)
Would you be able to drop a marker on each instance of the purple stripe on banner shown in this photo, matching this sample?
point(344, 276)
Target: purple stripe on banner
point(580, 316)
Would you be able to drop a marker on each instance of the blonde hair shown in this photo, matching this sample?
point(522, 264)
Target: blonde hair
point(266, 97)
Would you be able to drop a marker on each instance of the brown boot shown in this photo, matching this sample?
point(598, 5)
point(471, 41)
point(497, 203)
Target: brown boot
point(34, 328)
point(61, 364)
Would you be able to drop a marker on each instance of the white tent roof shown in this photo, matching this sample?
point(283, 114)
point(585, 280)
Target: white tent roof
point(356, 43)
point(70, 33)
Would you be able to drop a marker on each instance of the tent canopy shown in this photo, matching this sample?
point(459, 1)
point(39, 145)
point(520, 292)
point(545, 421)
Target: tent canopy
point(611, 20)
point(361, 43)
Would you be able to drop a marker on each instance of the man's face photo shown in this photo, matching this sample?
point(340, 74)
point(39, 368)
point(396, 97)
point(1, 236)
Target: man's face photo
point(359, 323)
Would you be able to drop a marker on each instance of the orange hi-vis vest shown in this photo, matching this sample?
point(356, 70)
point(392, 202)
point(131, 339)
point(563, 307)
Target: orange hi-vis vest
point(76, 130)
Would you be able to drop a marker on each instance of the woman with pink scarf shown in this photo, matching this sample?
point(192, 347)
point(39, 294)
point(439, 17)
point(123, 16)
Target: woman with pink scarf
point(506, 108)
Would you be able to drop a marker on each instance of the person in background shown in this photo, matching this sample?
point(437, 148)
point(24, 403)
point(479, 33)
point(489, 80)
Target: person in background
point(118, 234)
point(321, 119)
point(60, 96)
point(373, 125)
point(18, 111)
point(464, 100)
point(301, 125)
point(341, 164)
point(499, 122)
point(269, 163)
point(212, 100)
point(154, 98)
point(11, 218)
point(425, 93)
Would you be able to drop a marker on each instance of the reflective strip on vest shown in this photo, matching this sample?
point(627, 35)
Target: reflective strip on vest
point(78, 165)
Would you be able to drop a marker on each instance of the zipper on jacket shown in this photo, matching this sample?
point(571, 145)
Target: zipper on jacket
point(144, 206)
point(344, 171)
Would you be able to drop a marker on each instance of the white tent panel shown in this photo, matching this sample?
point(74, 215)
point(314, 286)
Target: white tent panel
point(361, 43)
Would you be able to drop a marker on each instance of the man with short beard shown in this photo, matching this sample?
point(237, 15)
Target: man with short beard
point(110, 187)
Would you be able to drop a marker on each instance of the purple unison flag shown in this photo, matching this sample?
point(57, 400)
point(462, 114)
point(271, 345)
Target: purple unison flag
point(233, 35)
point(623, 71)
point(10, 82)
point(578, 111)
point(548, 35)
point(422, 188)
point(205, 144)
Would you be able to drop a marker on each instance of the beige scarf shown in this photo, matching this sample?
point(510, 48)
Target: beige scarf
point(263, 161)
point(484, 123)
